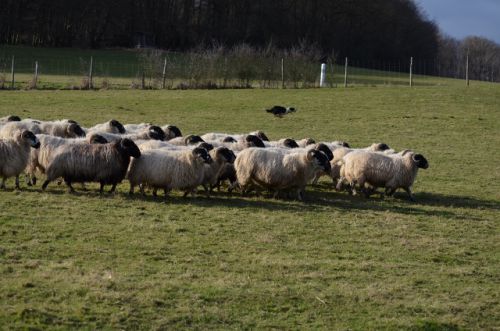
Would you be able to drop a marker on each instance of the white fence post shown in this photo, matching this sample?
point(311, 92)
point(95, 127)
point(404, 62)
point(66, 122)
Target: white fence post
point(322, 77)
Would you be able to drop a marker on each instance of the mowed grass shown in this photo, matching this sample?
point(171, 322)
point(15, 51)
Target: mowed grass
point(229, 262)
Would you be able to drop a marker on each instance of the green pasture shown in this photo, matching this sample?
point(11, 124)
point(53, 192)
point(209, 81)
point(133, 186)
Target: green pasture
point(332, 262)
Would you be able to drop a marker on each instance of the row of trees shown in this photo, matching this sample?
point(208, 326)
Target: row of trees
point(375, 29)
point(483, 54)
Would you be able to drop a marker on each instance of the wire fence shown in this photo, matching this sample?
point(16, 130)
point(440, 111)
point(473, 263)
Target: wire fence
point(169, 70)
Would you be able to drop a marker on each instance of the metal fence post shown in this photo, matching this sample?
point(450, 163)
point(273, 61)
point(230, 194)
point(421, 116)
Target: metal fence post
point(164, 73)
point(411, 71)
point(91, 85)
point(12, 73)
point(282, 73)
point(345, 72)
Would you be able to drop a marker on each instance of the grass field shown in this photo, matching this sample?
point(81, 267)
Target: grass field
point(227, 262)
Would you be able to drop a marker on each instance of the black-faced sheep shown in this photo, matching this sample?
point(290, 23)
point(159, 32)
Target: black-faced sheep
point(40, 158)
point(171, 132)
point(277, 171)
point(378, 170)
point(112, 126)
point(169, 170)
point(221, 156)
point(14, 155)
point(105, 164)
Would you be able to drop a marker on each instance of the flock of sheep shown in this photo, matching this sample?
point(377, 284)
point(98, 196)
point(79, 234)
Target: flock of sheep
point(153, 157)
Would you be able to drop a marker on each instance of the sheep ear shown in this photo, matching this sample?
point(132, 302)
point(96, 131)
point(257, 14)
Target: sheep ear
point(406, 151)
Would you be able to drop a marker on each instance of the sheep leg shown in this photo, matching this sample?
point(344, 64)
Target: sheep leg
point(27, 178)
point(141, 189)
point(340, 183)
point(70, 187)
point(389, 191)
point(101, 188)
point(113, 188)
point(155, 192)
point(44, 186)
point(408, 190)
point(17, 183)
point(33, 180)
point(2, 186)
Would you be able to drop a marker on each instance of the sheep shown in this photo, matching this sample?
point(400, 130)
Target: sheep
point(220, 137)
point(379, 170)
point(153, 132)
point(274, 170)
point(171, 131)
point(14, 155)
point(306, 142)
point(245, 142)
point(340, 152)
point(221, 156)
point(180, 170)
point(145, 145)
point(130, 128)
point(10, 129)
point(40, 158)
point(285, 142)
point(62, 128)
point(186, 141)
point(106, 164)
point(112, 126)
point(9, 118)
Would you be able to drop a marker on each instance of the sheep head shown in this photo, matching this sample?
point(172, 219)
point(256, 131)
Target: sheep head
point(254, 141)
point(323, 148)
point(97, 139)
point(290, 143)
point(28, 136)
point(420, 161)
point(319, 159)
point(129, 147)
point(202, 155)
point(229, 139)
point(225, 153)
point(118, 126)
point(207, 146)
point(156, 133)
point(193, 139)
point(74, 130)
point(171, 131)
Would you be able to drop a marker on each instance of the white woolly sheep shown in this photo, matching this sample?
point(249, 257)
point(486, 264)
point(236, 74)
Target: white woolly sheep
point(10, 129)
point(277, 171)
point(112, 126)
point(14, 155)
point(378, 170)
point(62, 128)
point(169, 170)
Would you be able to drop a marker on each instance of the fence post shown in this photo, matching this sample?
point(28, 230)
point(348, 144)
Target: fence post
point(91, 85)
point(164, 74)
point(35, 79)
point(411, 71)
point(12, 73)
point(345, 73)
point(467, 69)
point(143, 80)
point(322, 76)
point(282, 73)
